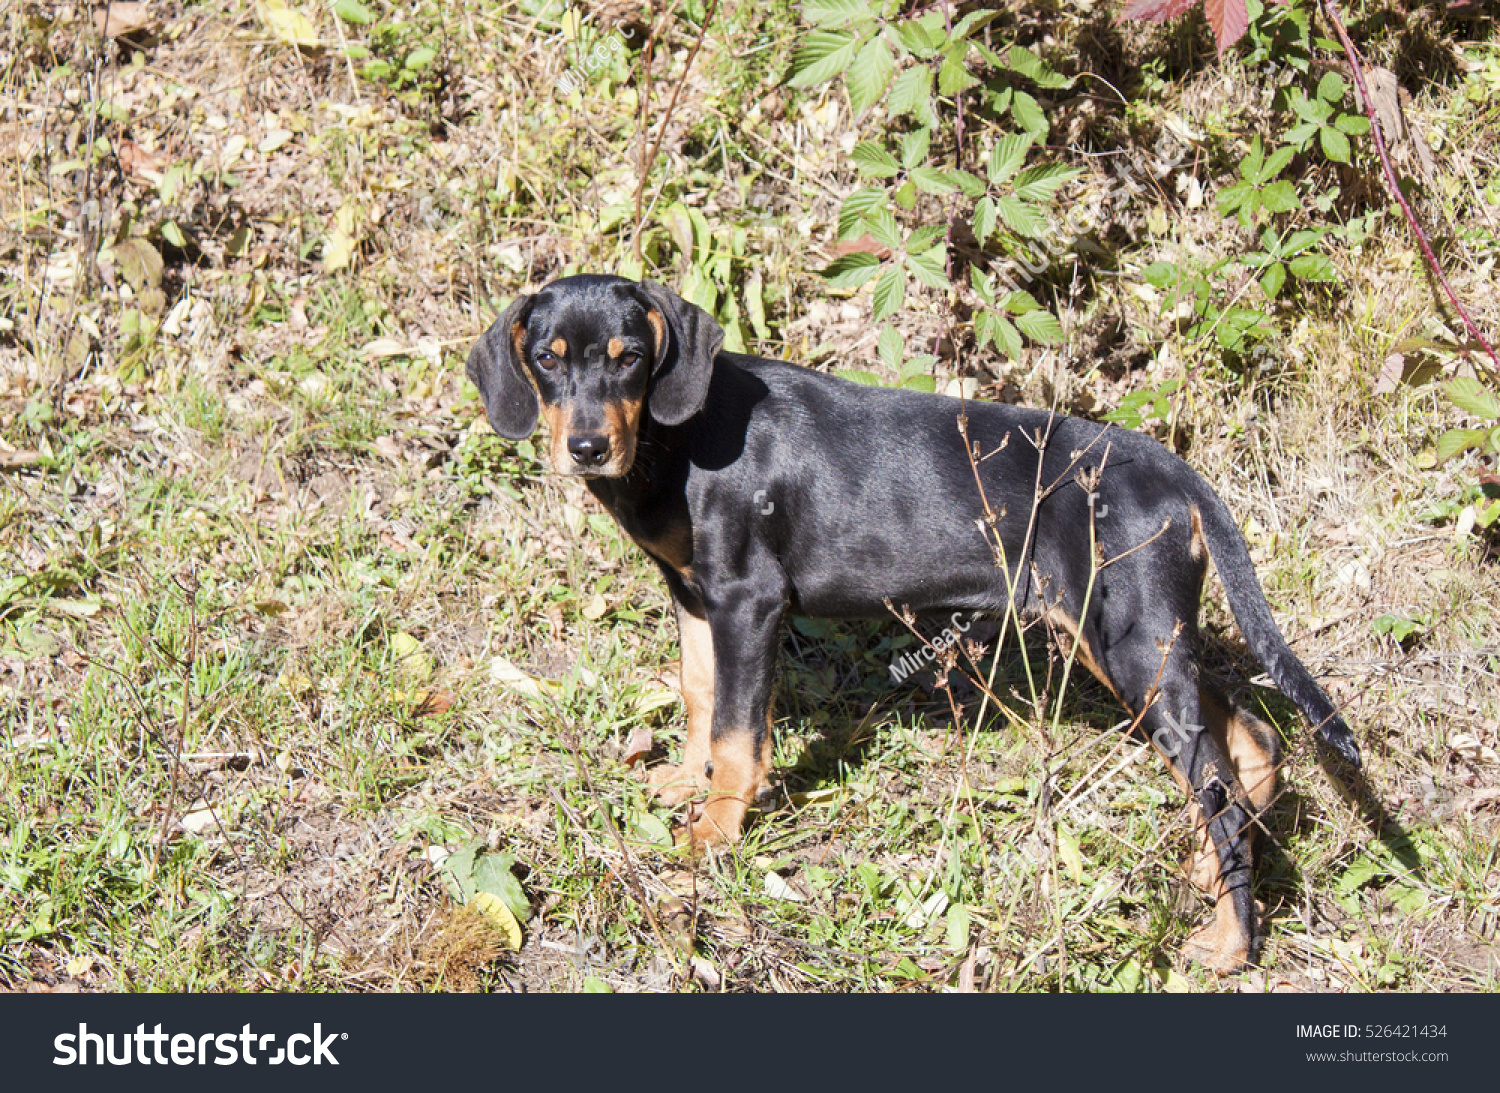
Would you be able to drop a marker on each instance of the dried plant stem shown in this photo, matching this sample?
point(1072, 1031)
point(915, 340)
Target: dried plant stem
point(1330, 13)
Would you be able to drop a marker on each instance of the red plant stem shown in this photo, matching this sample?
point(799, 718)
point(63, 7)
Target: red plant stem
point(1331, 14)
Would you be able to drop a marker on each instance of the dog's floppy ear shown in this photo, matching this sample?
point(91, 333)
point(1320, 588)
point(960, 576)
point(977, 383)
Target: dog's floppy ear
point(687, 340)
point(497, 367)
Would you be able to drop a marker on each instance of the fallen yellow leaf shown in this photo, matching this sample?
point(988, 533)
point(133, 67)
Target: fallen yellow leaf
point(500, 917)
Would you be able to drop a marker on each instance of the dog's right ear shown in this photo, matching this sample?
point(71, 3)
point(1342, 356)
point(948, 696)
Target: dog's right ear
point(497, 367)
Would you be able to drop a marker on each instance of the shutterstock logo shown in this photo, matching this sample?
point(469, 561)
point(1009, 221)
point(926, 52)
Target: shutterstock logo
point(159, 1048)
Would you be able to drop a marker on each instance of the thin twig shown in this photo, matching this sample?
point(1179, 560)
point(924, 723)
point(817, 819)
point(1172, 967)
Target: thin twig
point(1331, 14)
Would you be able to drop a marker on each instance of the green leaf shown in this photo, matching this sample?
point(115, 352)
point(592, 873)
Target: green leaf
point(973, 21)
point(971, 185)
point(1455, 441)
point(836, 13)
point(932, 180)
point(1020, 302)
point(1356, 125)
point(1331, 87)
point(872, 159)
point(858, 205)
point(1028, 114)
point(1272, 280)
point(890, 344)
point(914, 147)
point(851, 270)
point(1023, 62)
point(921, 37)
point(858, 375)
point(870, 74)
point(1276, 163)
point(1007, 156)
point(1160, 274)
point(492, 874)
point(912, 89)
point(953, 77)
point(1279, 197)
point(1040, 183)
point(924, 237)
point(1041, 326)
point(419, 59)
point(821, 56)
point(1006, 337)
point(1335, 144)
point(352, 11)
point(927, 267)
point(881, 224)
point(1018, 216)
point(929, 385)
point(984, 220)
point(1250, 166)
point(1300, 135)
point(1469, 394)
point(890, 293)
point(1313, 267)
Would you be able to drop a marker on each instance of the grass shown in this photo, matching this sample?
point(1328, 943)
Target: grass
point(283, 625)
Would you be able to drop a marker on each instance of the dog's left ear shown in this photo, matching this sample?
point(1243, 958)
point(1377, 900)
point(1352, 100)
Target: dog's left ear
point(497, 369)
point(687, 340)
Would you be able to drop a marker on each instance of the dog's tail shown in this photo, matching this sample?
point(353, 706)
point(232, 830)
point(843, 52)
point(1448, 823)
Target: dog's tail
point(1253, 613)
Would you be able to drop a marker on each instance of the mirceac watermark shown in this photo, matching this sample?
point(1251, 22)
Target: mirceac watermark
point(587, 67)
point(918, 659)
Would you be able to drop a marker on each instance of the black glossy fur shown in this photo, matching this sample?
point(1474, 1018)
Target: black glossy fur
point(762, 489)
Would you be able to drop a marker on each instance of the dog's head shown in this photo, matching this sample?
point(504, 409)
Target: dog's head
point(593, 353)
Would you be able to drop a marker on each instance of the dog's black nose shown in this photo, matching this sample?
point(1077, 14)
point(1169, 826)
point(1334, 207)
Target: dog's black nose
point(588, 451)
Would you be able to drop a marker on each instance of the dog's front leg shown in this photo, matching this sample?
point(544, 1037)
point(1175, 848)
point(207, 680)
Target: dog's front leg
point(673, 785)
point(745, 623)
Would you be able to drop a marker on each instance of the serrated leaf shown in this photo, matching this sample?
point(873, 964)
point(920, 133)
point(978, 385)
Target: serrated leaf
point(1276, 163)
point(1279, 197)
point(1023, 62)
point(1331, 87)
point(1335, 144)
point(969, 185)
point(1007, 157)
point(872, 159)
point(914, 147)
point(1020, 302)
point(920, 38)
point(1003, 332)
point(821, 56)
point(851, 270)
point(1039, 184)
point(288, 24)
point(1313, 267)
point(881, 224)
point(920, 383)
point(932, 180)
point(870, 74)
point(1018, 216)
point(1028, 114)
point(890, 345)
point(911, 90)
point(1272, 280)
point(984, 220)
point(927, 267)
point(953, 76)
point(971, 22)
point(1469, 394)
point(1356, 125)
point(890, 293)
point(856, 207)
point(858, 375)
point(1041, 326)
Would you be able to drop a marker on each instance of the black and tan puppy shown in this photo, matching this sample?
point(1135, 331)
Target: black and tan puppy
point(761, 488)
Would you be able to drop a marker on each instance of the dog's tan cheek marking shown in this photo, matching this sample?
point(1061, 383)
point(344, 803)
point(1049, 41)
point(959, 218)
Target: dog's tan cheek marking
point(557, 428)
point(616, 347)
point(658, 331)
point(560, 346)
point(622, 419)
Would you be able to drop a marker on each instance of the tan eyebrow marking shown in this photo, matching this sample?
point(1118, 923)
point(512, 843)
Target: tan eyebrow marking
point(615, 347)
point(560, 346)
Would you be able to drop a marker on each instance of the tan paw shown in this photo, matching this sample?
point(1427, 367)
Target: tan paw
point(715, 823)
point(671, 786)
point(1220, 945)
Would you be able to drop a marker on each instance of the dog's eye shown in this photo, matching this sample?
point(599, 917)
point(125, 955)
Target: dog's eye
point(546, 361)
point(629, 361)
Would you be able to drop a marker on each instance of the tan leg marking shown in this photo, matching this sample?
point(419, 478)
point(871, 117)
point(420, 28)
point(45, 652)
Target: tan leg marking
point(740, 770)
point(1248, 741)
point(675, 784)
point(1221, 945)
point(1197, 544)
point(1085, 655)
